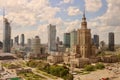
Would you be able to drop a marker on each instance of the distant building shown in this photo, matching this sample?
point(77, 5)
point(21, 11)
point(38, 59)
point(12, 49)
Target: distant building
point(73, 38)
point(56, 57)
point(58, 40)
point(67, 40)
point(1, 44)
point(16, 40)
point(102, 45)
point(96, 40)
point(111, 41)
point(29, 42)
point(22, 42)
point(61, 48)
point(35, 46)
point(6, 35)
point(57, 43)
point(11, 43)
point(51, 38)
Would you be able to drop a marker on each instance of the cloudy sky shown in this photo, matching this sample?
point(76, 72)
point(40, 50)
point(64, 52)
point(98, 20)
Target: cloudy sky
point(31, 17)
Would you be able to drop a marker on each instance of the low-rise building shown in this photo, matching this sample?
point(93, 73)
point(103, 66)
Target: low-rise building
point(57, 57)
point(109, 59)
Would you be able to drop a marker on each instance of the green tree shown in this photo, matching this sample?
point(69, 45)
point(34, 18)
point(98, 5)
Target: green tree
point(100, 66)
point(89, 68)
point(68, 77)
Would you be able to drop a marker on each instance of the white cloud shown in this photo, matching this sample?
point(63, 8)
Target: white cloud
point(108, 22)
point(72, 11)
point(71, 25)
point(48, 13)
point(93, 5)
point(66, 1)
point(29, 14)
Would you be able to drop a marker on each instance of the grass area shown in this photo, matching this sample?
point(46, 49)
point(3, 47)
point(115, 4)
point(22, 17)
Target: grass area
point(46, 74)
point(5, 65)
point(31, 76)
point(23, 64)
point(89, 68)
point(82, 72)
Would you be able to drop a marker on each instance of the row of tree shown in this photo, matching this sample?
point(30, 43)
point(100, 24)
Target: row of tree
point(94, 67)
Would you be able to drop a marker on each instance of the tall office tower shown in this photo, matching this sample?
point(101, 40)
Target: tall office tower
point(67, 40)
point(51, 38)
point(6, 35)
point(22, 42)
point(35, 46)
point(17, 40)
point(57, 43)
point(11, 43)
point(85, 43)
point(73, 38)
point(29, 42)
point(111, 41)
point(102, 45)
point(58, 40)
point(96, 40)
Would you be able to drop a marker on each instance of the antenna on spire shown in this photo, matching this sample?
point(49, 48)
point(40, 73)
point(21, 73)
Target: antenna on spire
point(84, 13)
point(3, 12)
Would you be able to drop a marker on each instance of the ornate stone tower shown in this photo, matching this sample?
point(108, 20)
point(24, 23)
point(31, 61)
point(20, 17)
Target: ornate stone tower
point(84, 39)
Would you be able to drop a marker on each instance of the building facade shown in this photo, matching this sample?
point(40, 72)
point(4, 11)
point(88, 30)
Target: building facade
point(73, 38)
point(22, 42)
point(29, 42)
point(96, 40)
point(6, 36)
point(16, 40)
point(51, 38)
point(111, 41)
point(67, 40)
point(35, 46)
point(11, 43)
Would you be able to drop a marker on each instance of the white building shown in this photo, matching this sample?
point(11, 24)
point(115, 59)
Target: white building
point(51, 38)
point(35, 46)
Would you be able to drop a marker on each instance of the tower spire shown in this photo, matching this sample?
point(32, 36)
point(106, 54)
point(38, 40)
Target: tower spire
point(84, 22)
point(3, 12)
point(84, 13)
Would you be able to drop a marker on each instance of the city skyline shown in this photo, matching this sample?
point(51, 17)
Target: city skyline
point(32, 20)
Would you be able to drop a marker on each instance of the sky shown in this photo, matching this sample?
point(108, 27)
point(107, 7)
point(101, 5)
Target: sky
point(31, 17)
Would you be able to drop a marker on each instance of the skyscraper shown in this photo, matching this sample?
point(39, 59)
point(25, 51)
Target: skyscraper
point(11, 43)
point(67, 40)
point(17, 40)
point(35, 46)
point(51, 37)
point(6, 35)
point(73, 38)
point(22, 40)
point(111, 41)
point(57, 43)
point(29, 42)
point(96, 40)
point(84, 37)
